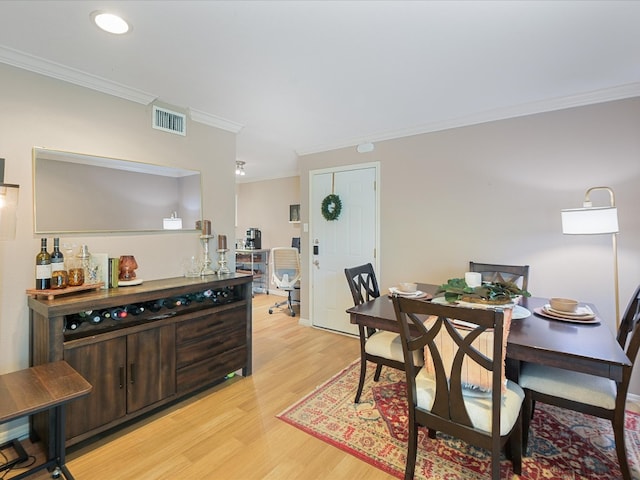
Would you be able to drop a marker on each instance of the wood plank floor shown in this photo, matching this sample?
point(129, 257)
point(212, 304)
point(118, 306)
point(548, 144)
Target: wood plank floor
point(231, 431)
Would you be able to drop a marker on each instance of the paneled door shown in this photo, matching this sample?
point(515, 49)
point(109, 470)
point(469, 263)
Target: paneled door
point(348, 241)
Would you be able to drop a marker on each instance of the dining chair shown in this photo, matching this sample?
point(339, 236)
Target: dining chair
point(597, 396)
point(461, 390)
point(518, 274)
point(377, 346)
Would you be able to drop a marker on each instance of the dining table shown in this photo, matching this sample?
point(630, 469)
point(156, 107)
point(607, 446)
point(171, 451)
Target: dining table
point(582, 347)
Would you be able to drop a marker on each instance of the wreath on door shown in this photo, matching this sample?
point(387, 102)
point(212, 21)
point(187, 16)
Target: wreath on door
point(331, 207)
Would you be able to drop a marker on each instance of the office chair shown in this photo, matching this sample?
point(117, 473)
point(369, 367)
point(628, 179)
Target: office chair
point(285, 273)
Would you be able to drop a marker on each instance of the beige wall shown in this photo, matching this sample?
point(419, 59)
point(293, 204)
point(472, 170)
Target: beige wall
point(41, 111)
point(493, 193)
point(265, 205)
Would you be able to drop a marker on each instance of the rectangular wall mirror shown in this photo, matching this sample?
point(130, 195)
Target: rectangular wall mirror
point(79, 193)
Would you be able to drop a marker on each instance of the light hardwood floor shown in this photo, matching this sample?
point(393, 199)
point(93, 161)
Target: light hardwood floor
point(231, 431)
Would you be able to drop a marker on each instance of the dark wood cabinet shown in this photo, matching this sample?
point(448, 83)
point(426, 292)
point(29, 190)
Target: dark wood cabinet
point(193, 333)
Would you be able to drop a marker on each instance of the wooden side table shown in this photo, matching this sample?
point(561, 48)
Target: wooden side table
point(49, 386)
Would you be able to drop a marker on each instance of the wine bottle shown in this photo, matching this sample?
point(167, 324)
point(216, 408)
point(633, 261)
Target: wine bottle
point(57, 258)
point(134, 309)
point(43, 267)
point(72, 322)
point(95, 318)
point(154, 306)
point(118, 313)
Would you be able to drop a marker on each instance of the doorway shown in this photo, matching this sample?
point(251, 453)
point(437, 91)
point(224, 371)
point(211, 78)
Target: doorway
point(349, 240)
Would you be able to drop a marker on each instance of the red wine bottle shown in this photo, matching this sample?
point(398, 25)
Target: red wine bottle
point(43, 267)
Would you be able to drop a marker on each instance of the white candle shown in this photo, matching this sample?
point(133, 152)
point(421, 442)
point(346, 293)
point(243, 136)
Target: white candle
point(473, 279)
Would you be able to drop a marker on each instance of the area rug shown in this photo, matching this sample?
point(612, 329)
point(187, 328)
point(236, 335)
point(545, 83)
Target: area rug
point(563, 445)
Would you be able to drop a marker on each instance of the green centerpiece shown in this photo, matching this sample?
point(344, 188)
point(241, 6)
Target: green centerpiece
point(498, 293)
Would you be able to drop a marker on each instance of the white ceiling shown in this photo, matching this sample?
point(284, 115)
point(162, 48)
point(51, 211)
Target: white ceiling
point(307, 76)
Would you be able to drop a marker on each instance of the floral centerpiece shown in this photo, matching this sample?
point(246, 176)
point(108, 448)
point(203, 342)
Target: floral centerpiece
point(498, 293)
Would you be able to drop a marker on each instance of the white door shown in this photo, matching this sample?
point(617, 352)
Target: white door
point(348, 241)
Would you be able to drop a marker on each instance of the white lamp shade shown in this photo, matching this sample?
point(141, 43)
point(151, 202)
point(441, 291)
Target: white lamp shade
point(590, 221)
point(8, 208)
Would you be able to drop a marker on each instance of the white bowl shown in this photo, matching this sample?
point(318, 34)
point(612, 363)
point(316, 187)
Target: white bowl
point(563, 304)
point(408, 287)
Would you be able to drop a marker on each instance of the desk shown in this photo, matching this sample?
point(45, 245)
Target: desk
point(45, 387)
point(589, 348)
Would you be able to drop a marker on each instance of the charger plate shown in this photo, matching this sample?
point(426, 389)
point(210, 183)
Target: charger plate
point(544, 313)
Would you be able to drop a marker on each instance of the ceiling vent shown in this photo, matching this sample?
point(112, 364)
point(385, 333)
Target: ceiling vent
point(169, 121)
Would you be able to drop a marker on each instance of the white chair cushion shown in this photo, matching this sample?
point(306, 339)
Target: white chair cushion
point(478, 403)
point(389, 345)
point(579, 387)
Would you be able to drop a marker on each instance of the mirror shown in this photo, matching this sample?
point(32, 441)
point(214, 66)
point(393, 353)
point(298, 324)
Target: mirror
point(77, 193)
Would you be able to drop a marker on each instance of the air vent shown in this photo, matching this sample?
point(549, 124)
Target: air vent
point(169, 121)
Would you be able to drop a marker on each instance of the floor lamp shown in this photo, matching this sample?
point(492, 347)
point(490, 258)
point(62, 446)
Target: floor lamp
point(591, 220)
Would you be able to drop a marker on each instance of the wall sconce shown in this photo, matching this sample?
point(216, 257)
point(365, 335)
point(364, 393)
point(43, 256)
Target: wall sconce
point(239, 167)
point(8, 209)
point(8, 206)
point(591, 220)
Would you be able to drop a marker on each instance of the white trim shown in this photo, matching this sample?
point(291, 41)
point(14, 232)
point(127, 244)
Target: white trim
point(20, 432)
point(214, 121)
point(72, 75)
point(588, 98)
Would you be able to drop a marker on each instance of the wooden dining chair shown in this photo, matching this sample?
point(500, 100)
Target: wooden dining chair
point(597, 396)
point(461, 390)
point(518, 274)
point(377, 346)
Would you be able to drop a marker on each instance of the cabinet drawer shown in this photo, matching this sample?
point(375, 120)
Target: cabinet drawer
point(210, 370)
point(211, 323)
point(210, 346)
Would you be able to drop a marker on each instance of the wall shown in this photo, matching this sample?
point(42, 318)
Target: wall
point(493, 193)
point(41, 111)
point(265, 205)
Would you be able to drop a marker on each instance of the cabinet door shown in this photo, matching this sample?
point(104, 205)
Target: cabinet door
point(151, 366)
point(103, 365)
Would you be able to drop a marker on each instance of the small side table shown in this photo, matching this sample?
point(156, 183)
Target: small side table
point(49, 386)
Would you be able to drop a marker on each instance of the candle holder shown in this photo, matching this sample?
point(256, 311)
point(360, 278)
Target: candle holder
point(222, 261)
point(206, 261)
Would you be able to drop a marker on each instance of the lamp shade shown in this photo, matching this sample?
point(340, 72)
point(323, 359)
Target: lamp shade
point(8, 208)
point(589, 221)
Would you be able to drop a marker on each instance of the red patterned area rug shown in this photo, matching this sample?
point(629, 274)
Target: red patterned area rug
point(563, 445)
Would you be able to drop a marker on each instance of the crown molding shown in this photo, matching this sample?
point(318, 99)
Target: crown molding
point(214, 121)
point(72, 75)
point(589, 98)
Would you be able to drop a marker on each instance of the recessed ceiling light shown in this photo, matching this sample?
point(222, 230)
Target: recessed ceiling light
point(110, 22)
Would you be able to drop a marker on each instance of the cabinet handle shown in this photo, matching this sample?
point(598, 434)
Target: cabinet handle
point(132, 377)
point(121, 377)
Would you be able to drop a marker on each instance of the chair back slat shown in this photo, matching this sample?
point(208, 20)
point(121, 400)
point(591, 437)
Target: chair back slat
point(630, 326)
point(362, 283)
point(518, 274)
point(425, 324)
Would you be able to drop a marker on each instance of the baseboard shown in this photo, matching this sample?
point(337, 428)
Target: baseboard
point(19, 431)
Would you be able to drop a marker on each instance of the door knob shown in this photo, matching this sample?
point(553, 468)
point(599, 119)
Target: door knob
point(316, 263)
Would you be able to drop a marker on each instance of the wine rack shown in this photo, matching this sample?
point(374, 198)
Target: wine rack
point(90, 322)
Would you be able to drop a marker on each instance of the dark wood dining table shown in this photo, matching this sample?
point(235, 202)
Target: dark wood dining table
point(589, 348)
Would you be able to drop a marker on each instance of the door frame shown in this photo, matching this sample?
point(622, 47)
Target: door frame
point(309, 246)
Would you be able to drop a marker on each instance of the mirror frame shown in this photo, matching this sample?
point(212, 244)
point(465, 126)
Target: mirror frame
point(136, 181)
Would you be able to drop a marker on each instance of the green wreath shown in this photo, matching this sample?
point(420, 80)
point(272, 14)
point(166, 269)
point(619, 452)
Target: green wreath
point(331, 207)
